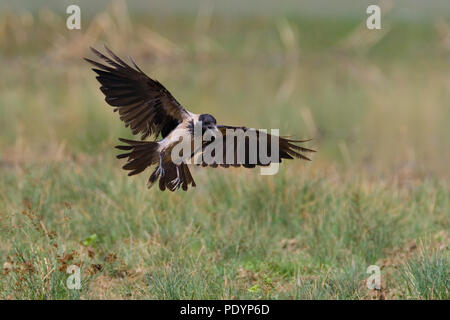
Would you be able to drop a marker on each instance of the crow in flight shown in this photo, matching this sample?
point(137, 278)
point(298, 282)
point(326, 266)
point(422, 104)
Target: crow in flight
point(149, 109)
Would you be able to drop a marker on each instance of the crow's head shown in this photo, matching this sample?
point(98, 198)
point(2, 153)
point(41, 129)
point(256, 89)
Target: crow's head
point(208, 121)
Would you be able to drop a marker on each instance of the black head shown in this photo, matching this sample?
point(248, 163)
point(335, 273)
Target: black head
point(208, 121)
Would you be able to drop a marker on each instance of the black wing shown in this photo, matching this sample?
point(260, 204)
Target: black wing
point(143, 103)
point(287, 149)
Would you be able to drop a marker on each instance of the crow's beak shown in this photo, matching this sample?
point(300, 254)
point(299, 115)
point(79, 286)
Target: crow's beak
point(214, 130)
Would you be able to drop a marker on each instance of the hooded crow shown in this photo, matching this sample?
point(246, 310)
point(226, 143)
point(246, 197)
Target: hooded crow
point(149, 110)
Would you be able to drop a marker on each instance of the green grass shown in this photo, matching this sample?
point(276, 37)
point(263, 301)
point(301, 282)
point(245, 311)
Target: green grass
point(379, 116)
point(427, 276)
point(226, 239)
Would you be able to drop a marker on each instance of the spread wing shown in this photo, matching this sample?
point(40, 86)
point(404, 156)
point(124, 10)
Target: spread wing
point(143, 103)
point(250, 154)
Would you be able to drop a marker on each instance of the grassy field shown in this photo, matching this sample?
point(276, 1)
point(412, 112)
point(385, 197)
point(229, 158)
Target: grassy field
point(376, 103)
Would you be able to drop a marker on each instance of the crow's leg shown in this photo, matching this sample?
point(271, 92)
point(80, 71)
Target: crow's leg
point(160, 171)
point(177, 181)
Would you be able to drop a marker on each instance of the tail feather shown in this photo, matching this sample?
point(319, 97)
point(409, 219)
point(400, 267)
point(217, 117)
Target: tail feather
point(143, 154)
point(187, 174)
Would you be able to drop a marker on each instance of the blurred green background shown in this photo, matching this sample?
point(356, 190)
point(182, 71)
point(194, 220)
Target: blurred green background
point(375, 102)
point(373, 99)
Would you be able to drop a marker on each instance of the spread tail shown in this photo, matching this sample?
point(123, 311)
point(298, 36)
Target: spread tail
point(143, 154)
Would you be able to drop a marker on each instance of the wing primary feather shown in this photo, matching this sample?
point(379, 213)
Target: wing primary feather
point(118, 60)
point(126, 85)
